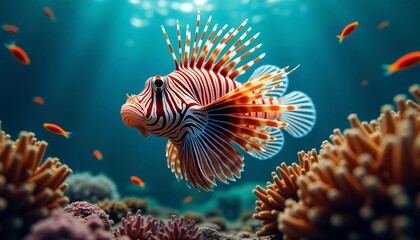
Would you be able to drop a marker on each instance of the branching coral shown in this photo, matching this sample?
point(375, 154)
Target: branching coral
point(272, 200)
point(29, 189)
point(179, 229)
point(137, 228)
point(367, 185)
point(92, 188)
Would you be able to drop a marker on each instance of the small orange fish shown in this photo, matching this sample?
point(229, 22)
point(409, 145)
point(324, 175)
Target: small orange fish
point(188, 199)
point(50, 14)
point(10, 28)
point(97, 154)
point(364, 83)
point(18, 53)
point(403, 63)
point(56, 129)
point(38, 100)
point(347, 31)
point(383, 25)
point(137, 181)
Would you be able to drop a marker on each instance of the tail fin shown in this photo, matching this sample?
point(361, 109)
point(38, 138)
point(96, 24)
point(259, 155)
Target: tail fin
point(340, 39)
point(302, 120)
point(387, 69)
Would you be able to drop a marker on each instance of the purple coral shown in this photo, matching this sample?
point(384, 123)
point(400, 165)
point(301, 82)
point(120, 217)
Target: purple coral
point(84, 210)
point(136, 227)
point(61, 225)
point(179, 229)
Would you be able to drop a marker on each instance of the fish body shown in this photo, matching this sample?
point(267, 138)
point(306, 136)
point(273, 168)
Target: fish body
point(347, 30)
point(10, 28)
point(57, 130)
point(201, 109)
point(383, 25)
point(97, 154)
point(50, 14)
point(405, 62)
point(18, 53)
point(136, 180)
point(38, 100)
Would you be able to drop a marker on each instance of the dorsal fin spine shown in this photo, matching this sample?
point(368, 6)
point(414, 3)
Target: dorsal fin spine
point(197, 28)
point(178, 31)
point(201, 41)
point(187, 45)
point(217, 50)
point(171, 49)
point(209, 45)
point(228, 68)
point(230, 53)
point(193, 54)
point(243, 68)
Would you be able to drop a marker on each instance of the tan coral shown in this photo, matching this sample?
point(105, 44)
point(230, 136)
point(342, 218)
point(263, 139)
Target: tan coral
point(115, 209)
point(29, 188)
point(367, 184)
point(272, 199)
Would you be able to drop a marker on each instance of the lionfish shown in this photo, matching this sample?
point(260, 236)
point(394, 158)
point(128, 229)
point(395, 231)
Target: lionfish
point(202, 110)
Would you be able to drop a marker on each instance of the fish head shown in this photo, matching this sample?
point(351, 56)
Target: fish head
point(145, 111)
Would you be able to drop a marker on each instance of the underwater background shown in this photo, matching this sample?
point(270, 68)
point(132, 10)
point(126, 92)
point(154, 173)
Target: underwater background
point(96, 51)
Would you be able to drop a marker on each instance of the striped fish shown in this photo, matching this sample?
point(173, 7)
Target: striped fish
point(201, 109)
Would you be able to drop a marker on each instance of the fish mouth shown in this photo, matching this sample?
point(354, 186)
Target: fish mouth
point(132, 115)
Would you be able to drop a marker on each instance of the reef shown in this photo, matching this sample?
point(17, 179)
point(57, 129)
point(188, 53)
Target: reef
point(61, 225)
point(29, 187)
point(85, 210)
point(196, 217)
point(91, 188)
point(272, 199)
point(136, 227)
point(135, 204)
point(365, 184)
point(115, 209)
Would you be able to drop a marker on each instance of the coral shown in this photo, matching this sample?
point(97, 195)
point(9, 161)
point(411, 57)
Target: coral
point(214, 212)
point(246, 215)
point(136, 227)
point(179, 229)
point(196, 217)
point(367, 185)
point(29, 189)
point(87, 187)
point(61, 225)
point(220, 221)
point(209, 225)
point(211, 234)
point(84, 210)
point(162, 212)
point(272, 200)
point(135, 204)
point(115, 209)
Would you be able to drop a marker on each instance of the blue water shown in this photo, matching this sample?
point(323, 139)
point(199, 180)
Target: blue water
point(96, 51)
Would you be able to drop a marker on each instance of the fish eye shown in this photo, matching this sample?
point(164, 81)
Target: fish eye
point(158, 83)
